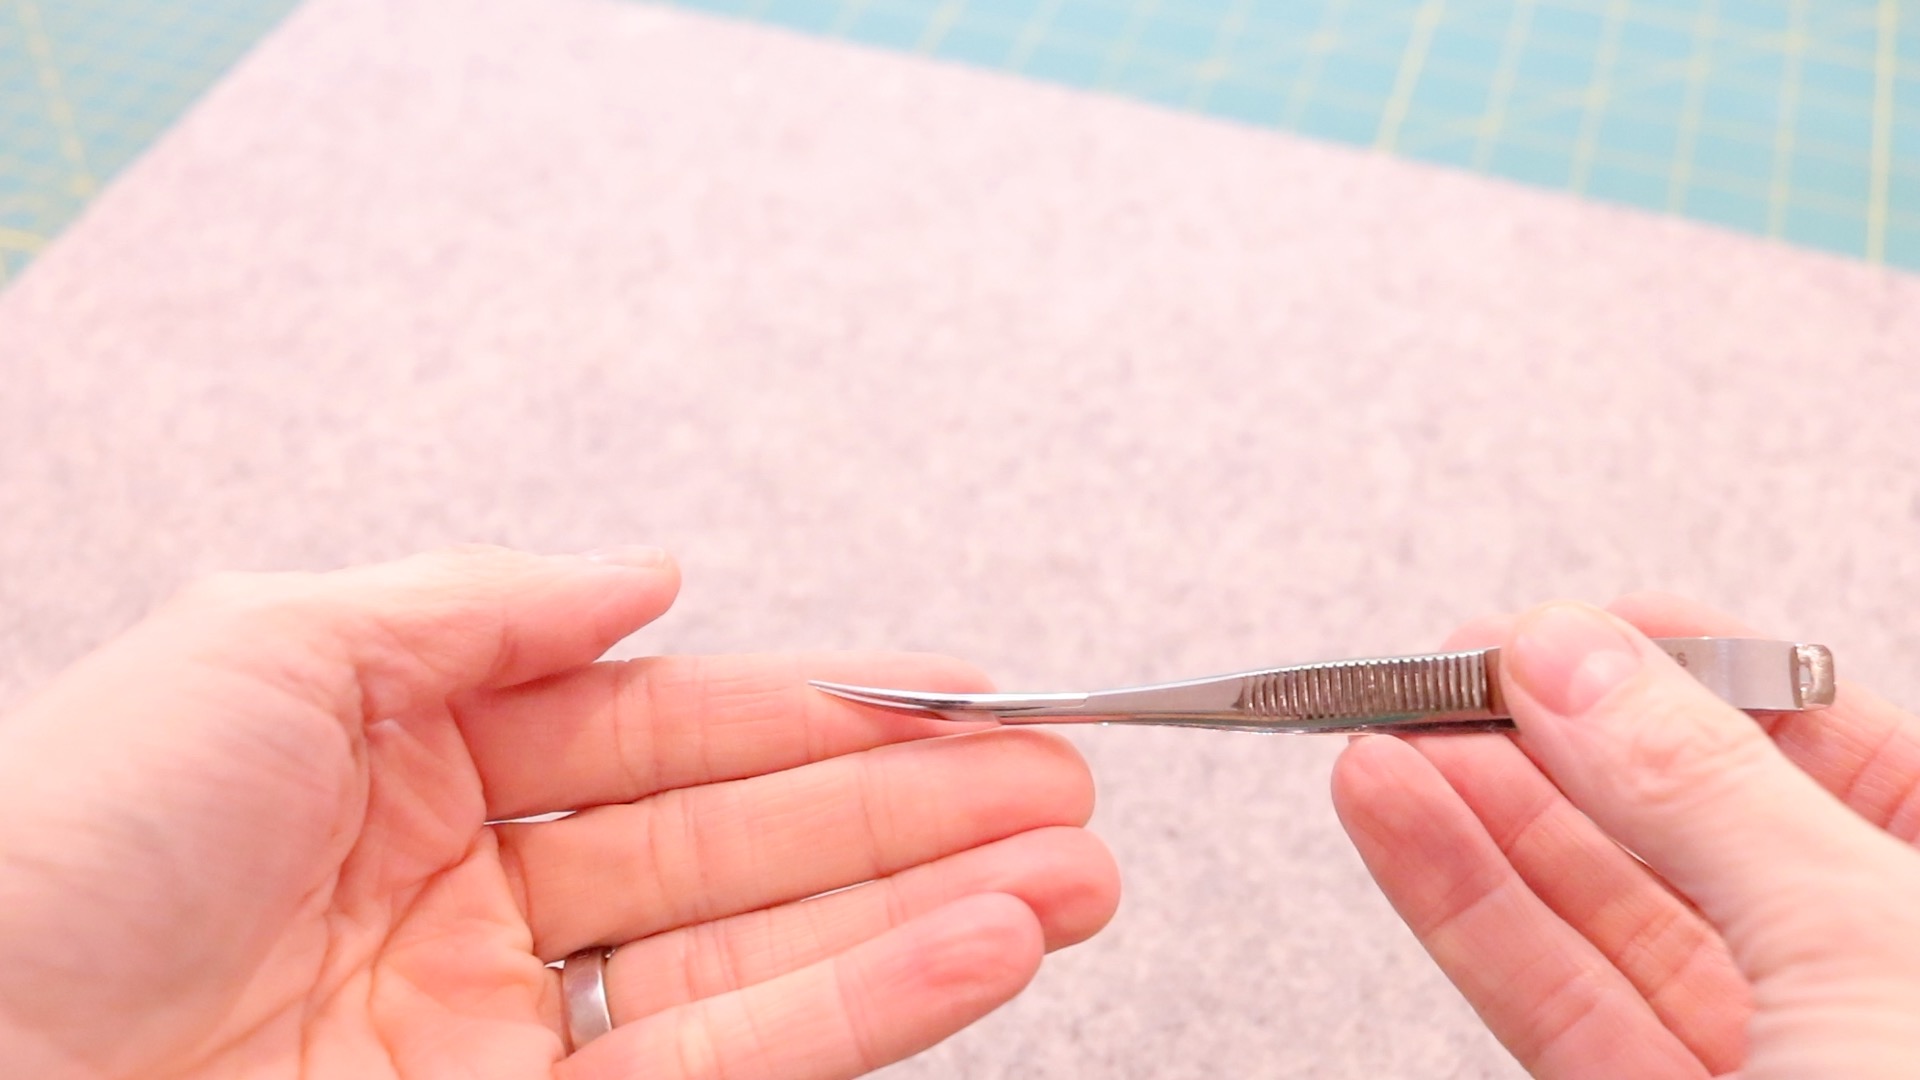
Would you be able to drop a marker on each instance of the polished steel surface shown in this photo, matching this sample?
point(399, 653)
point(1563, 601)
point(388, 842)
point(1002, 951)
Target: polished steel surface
point(1452, 691)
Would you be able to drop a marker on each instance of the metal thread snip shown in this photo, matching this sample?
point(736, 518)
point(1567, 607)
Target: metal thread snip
point(1356, 689)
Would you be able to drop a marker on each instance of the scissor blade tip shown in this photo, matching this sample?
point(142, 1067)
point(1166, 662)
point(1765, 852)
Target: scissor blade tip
point(842, 689)
point(866, 695)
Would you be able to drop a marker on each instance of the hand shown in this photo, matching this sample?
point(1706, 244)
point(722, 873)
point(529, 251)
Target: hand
point(251, 837)
point(1772, 930)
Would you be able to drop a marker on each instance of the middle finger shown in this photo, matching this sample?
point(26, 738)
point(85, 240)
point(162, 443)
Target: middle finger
point(615, 873)
point(1665, 949)
point(1655, 939)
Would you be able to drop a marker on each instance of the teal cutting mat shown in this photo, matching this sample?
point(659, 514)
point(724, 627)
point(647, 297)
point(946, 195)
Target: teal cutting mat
point(1798, 120)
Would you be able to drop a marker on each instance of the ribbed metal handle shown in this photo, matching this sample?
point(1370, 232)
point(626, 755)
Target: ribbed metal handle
point(1441, 683)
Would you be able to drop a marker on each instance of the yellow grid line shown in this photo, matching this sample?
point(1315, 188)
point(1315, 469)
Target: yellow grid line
point(1586, 144)
point(1505, 73)
point(1758, 40)
point(1249, 72)
point(1755, 134)
point(939, 24)
point(1425, 21)
point(1882, 156)
point(1818, 48)
point(1031, 32)
point(1641, 79)
point(1699, 65)
point(1781, 185)
point(1655, 165)
point(21, 240)
point(1247, 68)
point(1258, 79)
point(1120, 57)
point(1821, 49)
point(1319, 43)
point(1209, 72)
point(59, 110)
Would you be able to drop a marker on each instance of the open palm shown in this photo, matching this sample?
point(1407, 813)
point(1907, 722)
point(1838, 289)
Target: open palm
point(252, 837)
point(1579, 958)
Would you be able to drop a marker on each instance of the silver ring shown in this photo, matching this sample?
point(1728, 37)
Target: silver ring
point(583, 983)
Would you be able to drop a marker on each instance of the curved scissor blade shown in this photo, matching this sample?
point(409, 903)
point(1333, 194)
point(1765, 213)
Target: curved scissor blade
point(934, 701)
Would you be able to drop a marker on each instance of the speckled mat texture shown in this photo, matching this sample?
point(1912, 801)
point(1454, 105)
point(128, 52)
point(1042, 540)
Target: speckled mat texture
point(902, 355)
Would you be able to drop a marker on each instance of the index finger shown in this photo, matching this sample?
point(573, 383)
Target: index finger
point(620, 731)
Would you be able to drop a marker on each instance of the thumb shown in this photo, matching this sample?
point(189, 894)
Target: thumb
point(1688, 783)
point(175, 801)
point(436, 624)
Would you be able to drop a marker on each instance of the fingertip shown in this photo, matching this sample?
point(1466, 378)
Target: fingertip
point(1064, 873)
point(933, 975)
point(1416, 835)
point(1088, 894)
point(655, 566)
point(475, 617)
point(1366, 755)
point(1370, 776)
point(1483, 632)
point(986, 947)
point(1048, 769)
point(633, 556)
point(1005, 911)
point(639, 592)
point(1566, 658)
point(634, 570)
point(1076, 783)
point(1351, 767)
point(1661, 614)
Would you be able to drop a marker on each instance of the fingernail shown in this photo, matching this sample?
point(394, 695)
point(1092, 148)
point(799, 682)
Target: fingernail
point(637, 556)
point(1569, 656)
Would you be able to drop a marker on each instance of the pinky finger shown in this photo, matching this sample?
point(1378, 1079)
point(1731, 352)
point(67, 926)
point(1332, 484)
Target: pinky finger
point(878, 1002)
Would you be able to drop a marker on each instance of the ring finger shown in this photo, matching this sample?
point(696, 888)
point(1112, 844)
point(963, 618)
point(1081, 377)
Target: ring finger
point(1065, 875)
